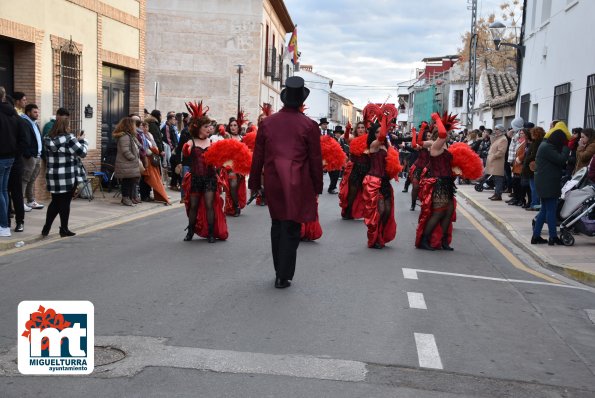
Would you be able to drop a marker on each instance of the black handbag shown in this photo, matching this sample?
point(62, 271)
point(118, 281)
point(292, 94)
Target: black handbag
point(155, 160)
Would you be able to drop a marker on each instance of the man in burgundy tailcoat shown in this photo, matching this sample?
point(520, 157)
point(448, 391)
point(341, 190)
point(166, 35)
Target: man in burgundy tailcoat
point(288, 147)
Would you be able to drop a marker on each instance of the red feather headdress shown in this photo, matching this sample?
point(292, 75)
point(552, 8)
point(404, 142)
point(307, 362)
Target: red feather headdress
point(196, 109)
point(450, 121)
point(359, 145)
point(267, 109)
point(466, 161)
point(393, 164)
point(333, 157)
point(230, 154)
point(241, 119)
point(370, 113)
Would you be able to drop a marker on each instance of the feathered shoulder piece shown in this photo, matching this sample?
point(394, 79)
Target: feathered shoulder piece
point(250, 139)
point(267, 109)
point(229, 154)
point(333, 157)
point(196, 110)
point(393, 164)
point(465, 161)
point(241, 119)
point(359, 145)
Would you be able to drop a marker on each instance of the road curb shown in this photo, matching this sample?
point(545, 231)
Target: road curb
point(541, 258)
point(8, 247)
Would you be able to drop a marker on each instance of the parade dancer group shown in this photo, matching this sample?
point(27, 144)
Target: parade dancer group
point(289, 153)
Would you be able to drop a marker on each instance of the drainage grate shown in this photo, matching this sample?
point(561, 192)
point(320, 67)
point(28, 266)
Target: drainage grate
point(107, 355)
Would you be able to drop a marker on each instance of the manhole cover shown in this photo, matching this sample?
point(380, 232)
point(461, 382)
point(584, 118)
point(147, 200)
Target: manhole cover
point(107, 355)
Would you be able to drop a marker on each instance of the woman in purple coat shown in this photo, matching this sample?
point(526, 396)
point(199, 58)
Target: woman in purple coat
point(288, 147)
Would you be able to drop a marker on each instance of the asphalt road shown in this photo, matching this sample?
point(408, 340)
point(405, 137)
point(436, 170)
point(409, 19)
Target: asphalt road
point(199, 319)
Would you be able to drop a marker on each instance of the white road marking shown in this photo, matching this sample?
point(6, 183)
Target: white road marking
point(416, 301)
point(427, 351)
point(411, 273)
point(591, 315)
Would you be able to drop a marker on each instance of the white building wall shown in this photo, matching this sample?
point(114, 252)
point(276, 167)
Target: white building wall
point(461, 111)
point(559, 49)
point(317, 103)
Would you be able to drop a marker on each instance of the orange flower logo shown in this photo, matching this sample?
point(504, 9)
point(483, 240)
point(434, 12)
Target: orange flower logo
point(43, 319)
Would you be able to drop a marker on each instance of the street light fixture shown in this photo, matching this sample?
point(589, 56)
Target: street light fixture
point(240, 71)
point(497, 30)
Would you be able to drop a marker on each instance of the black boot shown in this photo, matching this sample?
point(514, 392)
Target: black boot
point(211, 237)
point(412, 208)
point(64, 232)
point(425, 244)
point(347, 215)
point(190, 233)
point(445, 245)
point(46, 230)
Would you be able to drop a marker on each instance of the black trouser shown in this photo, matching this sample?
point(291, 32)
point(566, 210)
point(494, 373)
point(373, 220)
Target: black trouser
point(128, 187)
point(15, 191)
point(60, 204)
point(145, 189)
point(285, 239)
point(334, 175)
point(517, 194)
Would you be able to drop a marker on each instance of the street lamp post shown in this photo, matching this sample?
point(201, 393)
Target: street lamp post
point(240, 71)
point(497, 30)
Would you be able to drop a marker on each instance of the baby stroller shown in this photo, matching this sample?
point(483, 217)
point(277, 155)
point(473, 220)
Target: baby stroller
point(485, 182)
point(577, 213)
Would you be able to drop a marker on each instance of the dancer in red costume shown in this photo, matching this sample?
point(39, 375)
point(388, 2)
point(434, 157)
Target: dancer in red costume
point(437, 192)
point(378, 196)
point(235, 188)
point(421, 145)
point(350, 189)
point(204, 206)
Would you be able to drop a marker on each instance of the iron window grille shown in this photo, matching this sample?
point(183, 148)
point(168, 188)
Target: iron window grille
point(458, 98)
point(590, 103)
point(67, 72)
point(561, 102)
point(525, 106)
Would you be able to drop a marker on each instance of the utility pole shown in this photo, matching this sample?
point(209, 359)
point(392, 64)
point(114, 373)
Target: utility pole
point(472, 63)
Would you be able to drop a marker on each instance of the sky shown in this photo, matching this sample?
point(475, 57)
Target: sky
point(368, 48)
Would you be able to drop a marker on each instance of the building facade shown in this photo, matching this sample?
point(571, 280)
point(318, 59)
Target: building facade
point(318, 102)
point(495, 98)
point(194, 49)
point(83, 55)
point(558, 74)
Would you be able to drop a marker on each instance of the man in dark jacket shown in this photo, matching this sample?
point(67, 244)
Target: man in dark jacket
point(8, 149)
point(31, 155)
point(288, 147)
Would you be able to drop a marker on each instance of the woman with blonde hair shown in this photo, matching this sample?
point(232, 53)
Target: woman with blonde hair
point(63, 172)
point(127, 159)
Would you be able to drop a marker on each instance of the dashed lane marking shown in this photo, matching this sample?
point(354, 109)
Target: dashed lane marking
point(427, 351)
point(411, 273)
point(416, 301)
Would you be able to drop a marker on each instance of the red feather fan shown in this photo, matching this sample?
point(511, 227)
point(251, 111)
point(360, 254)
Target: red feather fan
point(333, 157)
point(393, 164)
point(465, 159)
point(250, 140)
point(359, 145)
point(231, 154)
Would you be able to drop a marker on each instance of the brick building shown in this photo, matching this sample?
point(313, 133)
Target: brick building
point(194, 49)
point(85, 55)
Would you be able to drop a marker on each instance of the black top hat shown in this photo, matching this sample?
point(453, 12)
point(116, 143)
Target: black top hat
point(322, 121)
point(294, 94)
point(339, 129)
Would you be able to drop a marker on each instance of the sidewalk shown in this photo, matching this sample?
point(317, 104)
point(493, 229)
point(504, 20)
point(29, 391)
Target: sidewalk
point(85, 216)
point(576, 262)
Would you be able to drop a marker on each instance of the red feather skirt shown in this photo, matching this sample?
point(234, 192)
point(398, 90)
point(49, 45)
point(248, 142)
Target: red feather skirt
point(357, 209)
point(201, 226)
point(242, 192)
point(426, 188)
point(377, 232)
point(311, 230)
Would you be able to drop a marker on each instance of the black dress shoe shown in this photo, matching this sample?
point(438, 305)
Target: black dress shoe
point(555, 241)
point(282, 283)
point(376, 246)
point(20, 227)
point(445, 245)
point(538, 240)
point(332, 191)
point(64, 232)
point(405, 190)
point(412, 208)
